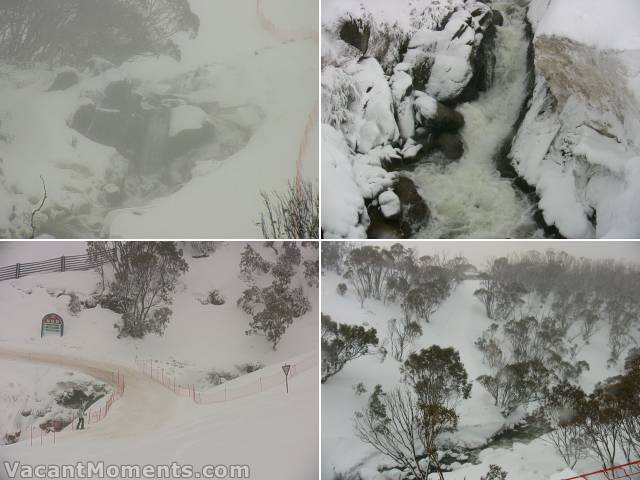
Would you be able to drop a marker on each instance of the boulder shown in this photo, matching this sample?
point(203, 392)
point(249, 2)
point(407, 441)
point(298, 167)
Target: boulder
point(64, 80)
point(389, 205)
point(415, 213)
point(450, 144)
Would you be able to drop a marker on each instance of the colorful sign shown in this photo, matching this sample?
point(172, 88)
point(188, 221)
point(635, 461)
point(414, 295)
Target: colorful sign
point(52, 323)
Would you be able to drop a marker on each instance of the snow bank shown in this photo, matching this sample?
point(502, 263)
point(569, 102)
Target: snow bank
point(605, 25)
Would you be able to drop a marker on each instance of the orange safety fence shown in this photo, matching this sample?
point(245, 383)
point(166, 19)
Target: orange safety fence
point(94, 414)
point(629, 470)
point(224, 393)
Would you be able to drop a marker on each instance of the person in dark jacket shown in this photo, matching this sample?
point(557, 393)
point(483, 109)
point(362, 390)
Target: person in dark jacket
point(81, 410)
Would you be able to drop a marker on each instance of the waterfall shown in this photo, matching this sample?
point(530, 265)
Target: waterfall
point(469, 198)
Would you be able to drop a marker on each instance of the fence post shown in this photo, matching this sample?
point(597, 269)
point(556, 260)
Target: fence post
point(62, 265)
point(32, 435)
point(259, 384)
point(17, 270)
point(54, 436)
point(40, 437)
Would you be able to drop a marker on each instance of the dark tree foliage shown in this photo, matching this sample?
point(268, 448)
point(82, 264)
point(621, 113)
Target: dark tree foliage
point(72, 31)
point(273, 310)
point(437, 375)
point(342, 343)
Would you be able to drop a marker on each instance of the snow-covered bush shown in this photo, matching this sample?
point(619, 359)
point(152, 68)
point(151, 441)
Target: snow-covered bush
point(218, 377)
point(215, 298)
point(75, 304)
point(495, 473)
point(339, 94)
point(341, 289)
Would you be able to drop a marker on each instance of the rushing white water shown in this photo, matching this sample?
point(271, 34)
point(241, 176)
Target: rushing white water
point(468, 198)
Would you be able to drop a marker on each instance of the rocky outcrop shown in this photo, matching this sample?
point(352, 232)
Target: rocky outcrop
point(141, 133)
point(396, 105)
point(577, 144)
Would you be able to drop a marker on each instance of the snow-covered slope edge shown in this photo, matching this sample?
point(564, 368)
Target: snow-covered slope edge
point(578, 143)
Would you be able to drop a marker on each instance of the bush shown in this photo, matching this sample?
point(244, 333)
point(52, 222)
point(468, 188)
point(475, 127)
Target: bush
point(218, 377)
point(250, 367)
point(292, 214)
point(75, 305)
point(495, 473)
point(215, 298)
point(359, 388)
point(342, 289)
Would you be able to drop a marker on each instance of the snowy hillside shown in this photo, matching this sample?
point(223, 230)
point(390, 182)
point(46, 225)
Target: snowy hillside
point(485, 434)
point(162, 145)
point(204, 345)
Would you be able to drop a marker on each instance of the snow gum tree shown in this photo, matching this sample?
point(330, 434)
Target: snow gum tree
point(145, 278)
point(405, 424)
point(342, 343)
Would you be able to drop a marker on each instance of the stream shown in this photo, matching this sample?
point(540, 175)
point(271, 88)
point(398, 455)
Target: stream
point(469, 198)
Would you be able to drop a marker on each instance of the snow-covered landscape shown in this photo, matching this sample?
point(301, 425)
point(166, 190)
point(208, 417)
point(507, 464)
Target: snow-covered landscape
point(201, 386)
point(531, 336)
point(154, 119)
point(480, 119)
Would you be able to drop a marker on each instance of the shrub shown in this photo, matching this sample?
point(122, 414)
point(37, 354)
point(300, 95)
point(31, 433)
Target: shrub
point(342, 289)
point(215, 298)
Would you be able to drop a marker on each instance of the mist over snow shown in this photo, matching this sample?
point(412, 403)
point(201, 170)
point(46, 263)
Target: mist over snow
point(153, 119)
point(563, 313)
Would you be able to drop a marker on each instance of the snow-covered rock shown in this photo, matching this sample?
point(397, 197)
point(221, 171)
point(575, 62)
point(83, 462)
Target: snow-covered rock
point(389, 204)
point(377, 125)
point(578, 144)
point(186, 117)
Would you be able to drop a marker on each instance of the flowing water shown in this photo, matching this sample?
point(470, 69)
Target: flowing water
point(468, 198)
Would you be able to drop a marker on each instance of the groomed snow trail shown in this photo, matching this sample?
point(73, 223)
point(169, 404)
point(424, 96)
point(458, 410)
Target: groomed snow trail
point(143, 406)
point(468, 198)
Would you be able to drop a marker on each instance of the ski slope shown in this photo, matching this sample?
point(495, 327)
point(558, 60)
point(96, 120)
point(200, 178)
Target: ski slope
point(273, 432)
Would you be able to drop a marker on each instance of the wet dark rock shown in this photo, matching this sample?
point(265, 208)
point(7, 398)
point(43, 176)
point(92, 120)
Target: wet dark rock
point(63, 81)
point(498, 18)
point(414, 213)
point(451, 145)
point(119, 95)
point(356, 32)
point(188, 140)
point(447, 119)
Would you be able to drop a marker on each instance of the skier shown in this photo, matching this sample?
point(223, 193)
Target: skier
point(80, 425)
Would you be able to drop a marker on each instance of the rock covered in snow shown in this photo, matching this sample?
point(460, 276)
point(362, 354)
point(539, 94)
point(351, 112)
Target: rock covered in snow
point(376, 125)
point(186, 117)
point(389, 204)
point(578, 144)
